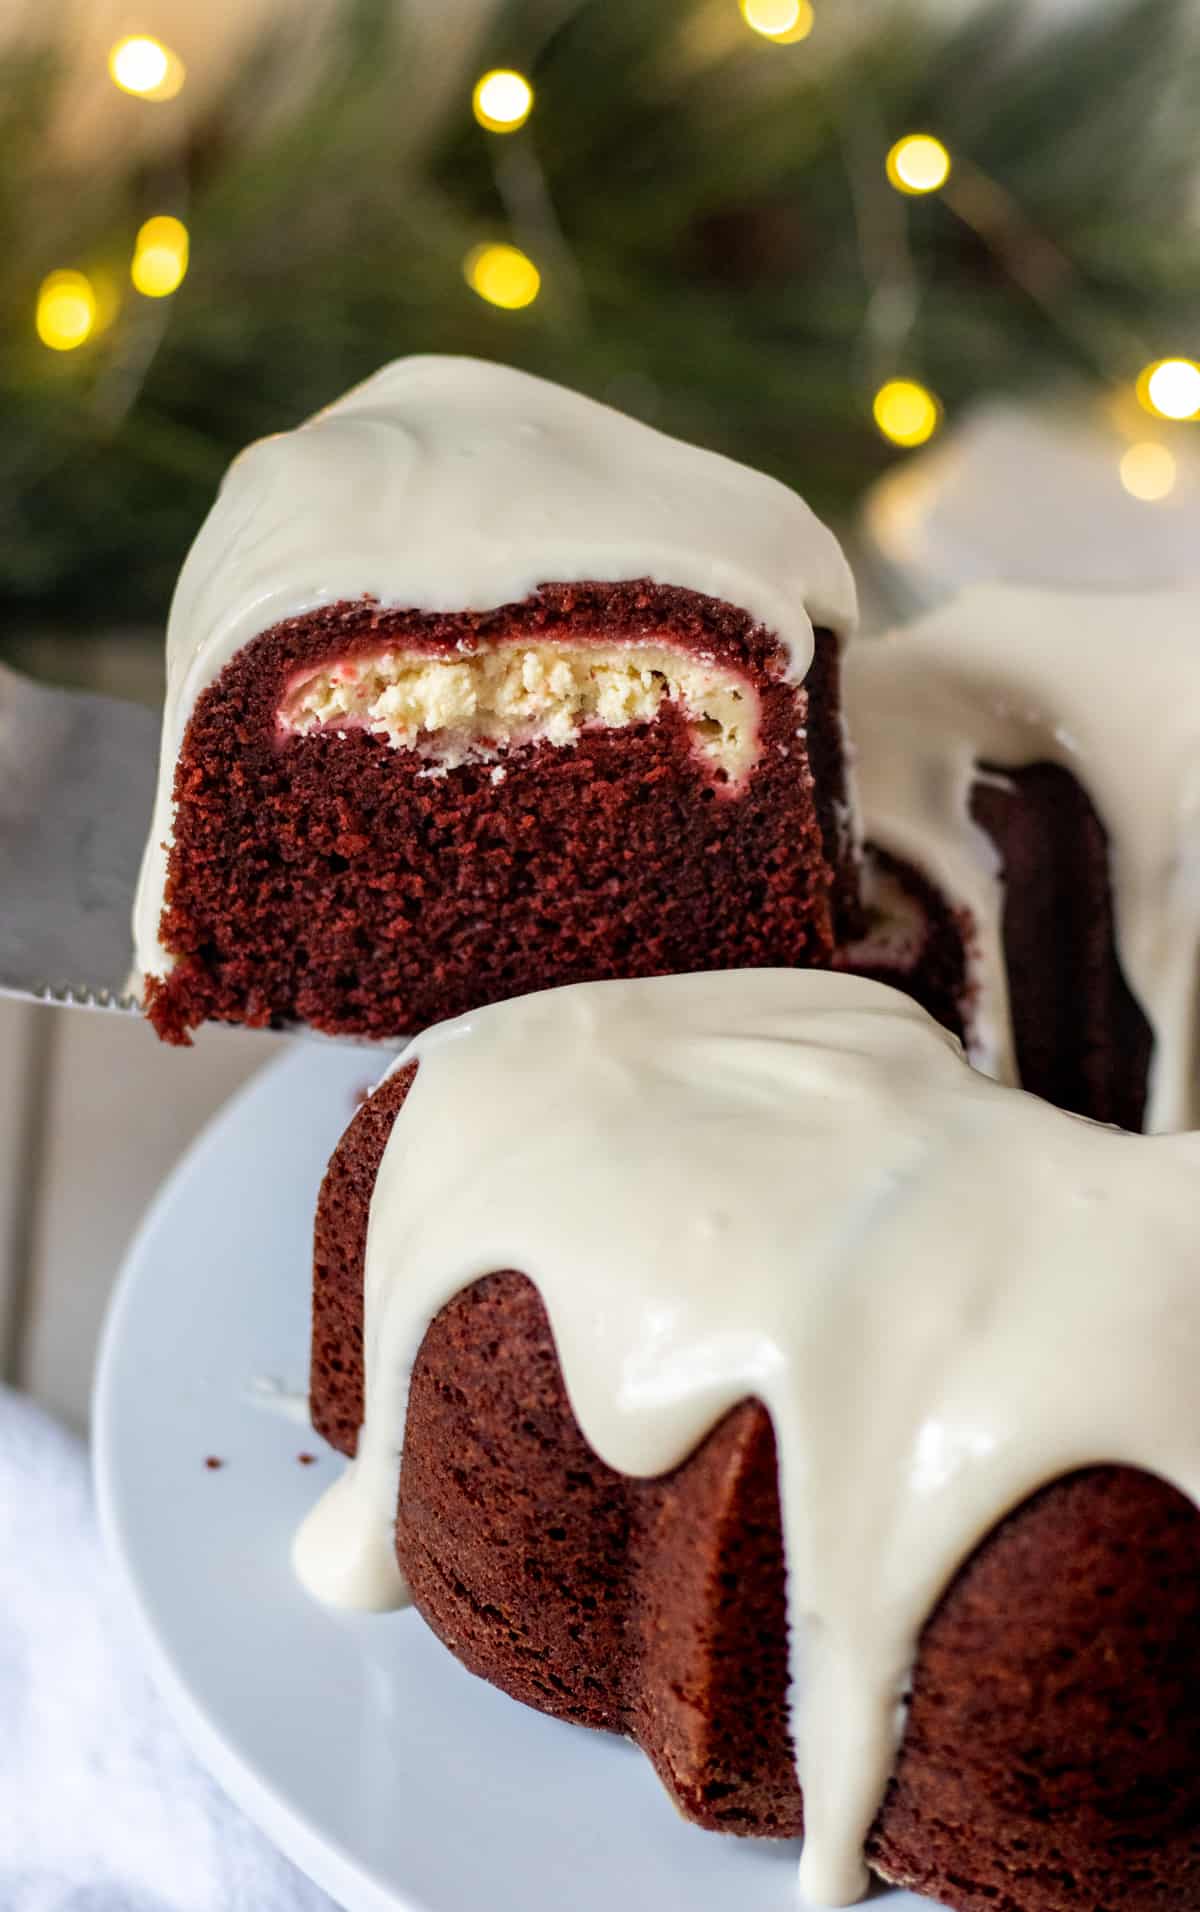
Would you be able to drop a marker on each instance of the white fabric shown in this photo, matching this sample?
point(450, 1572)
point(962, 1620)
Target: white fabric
point(102, 1806)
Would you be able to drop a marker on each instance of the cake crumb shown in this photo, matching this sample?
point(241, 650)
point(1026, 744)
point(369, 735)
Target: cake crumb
point(211, 1461)
point(306, 1460)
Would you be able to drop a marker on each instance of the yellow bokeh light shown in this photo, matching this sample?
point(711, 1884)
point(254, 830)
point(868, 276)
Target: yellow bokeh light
point(784, 21)
point(1148, 471)
point(160, 256)
point(142, 65)
point(503, 275)
point(502, 100)
point(66, 310)
point(918, 163)
point(1171, 388)
point(905, 412)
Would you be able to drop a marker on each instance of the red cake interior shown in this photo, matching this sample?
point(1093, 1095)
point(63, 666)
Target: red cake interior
point(331, 879)
point(1081, 1039)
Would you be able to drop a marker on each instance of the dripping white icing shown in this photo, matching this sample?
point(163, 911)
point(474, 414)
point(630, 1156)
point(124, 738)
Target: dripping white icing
point(789, 1185)
point(1107, 686)
point(448, 484)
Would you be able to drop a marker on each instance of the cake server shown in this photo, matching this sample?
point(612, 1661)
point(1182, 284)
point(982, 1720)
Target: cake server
point(77, 775)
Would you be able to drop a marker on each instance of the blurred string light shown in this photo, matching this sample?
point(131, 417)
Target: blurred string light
point(1148, 471)
point(143, 65)
point(160, 256)
point(906, 412)
point(784, 21)
point(918, 163)
point(1171, 388)
point(66, 310)
point(502, 100)
point(503, 275)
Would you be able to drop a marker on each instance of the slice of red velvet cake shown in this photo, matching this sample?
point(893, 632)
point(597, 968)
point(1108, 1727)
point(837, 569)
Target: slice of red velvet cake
point(475, 687)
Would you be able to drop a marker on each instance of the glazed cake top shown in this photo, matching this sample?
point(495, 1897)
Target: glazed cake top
point(450, 484)
point(1106, 685)
point(788, 1184)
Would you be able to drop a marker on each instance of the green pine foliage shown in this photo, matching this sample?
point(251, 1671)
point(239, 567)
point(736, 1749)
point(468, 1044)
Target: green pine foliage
point(719, 250)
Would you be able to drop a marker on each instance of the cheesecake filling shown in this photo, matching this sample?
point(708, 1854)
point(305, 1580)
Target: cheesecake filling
point(465, 706)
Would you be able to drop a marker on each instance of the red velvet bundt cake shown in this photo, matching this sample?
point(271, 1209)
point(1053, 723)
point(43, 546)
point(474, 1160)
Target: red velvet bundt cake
point(475, 686)
point(778, 1391)
point(1027, 769)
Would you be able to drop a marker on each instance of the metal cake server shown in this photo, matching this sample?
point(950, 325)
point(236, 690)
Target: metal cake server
point(77, 775)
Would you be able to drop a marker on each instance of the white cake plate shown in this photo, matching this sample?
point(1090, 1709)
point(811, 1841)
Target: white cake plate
point(388, 1774)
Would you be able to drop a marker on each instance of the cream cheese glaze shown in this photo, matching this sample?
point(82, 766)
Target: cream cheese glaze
point(1109, 687)
point(449, 484)
point(789, 1185)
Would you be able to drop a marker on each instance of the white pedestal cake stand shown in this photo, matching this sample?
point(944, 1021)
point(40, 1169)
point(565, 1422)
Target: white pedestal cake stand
point(388, 1774)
